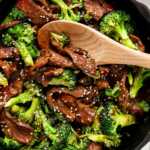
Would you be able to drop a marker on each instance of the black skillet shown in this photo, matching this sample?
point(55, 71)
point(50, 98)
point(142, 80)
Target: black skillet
point(139, 134)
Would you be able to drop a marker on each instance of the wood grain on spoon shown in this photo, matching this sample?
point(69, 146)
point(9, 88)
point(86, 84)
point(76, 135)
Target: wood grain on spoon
point(100, 47)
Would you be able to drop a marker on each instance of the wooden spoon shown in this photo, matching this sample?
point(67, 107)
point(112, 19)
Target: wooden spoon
point(100, 47)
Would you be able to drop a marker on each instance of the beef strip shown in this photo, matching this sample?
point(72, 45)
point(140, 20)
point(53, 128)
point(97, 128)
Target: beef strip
point(13, 128)
point(95, 146)
point(85, 114)
point(97, 8)
point(51, 57)
point(9, 24)
point(14, 88)
point(70, 106)
point(6, 53)
point(102, 84)
point(87, 92)
point(116, 72)
point(82, 61)
point(8, 67)
point(59, 105)
point(44, 75)
point(138, 42)
point(36, 13)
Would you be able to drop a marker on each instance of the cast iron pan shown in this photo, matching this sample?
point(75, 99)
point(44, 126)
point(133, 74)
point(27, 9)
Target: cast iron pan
point(138, 135)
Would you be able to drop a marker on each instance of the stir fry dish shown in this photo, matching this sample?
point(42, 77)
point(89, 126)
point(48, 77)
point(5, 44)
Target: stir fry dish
point(52, 94)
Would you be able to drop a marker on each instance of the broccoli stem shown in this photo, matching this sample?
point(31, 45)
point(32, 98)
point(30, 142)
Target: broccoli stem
point(47, 127)
point(25, 54)
point(29, 114)
point(22, 98)
point(125, 40)
point(17, 109)
point(100, 138)
point(3, 80)
point(138, 82)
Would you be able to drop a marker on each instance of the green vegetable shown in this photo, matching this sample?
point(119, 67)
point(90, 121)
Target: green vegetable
point(144, 106)
point(112, 119)
point(94, 133)
point(114, 92)
point(29, 95)
point(9, 144)
point(68, 79)
point(41, 120)
point(66, 12)
point(3, 80)
point(21, 98)
point(108, 140)
point(130, 78)
point(139, 79)
point(14, 14)
point(87, 17)
point(26, 115)
point(117, 25)
point(59, 40)
point(22, 36)
point(107, 122)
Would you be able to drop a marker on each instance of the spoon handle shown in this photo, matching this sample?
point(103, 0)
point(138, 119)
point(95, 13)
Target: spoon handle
point(128, 57)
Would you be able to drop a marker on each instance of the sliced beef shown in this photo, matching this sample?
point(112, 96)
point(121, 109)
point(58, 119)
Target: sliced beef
point(95, 146)
point(70, 106)
point(14, 88)
point(10, 52)
point(82, 61)
point(85, 114)
point(9, 24)
point(102, 84)
point(53, 58)
point(116, 72)
point(8, 67)
point(97, 8)
point(79, 92)
point(15, 129)
point(36, 13)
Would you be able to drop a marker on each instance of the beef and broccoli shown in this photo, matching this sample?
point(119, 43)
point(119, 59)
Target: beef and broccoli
point(52, 95)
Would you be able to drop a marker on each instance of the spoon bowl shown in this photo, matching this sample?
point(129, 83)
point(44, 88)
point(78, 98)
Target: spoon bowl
point(100, 47)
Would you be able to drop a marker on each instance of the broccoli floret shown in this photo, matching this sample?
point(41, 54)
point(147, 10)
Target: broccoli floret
point(3, 80)
point(59, 40)
point(66, 12)
point(58, 134)
point(20, 99)
point(22, 36)
point(26, 115)
point(76, 143)
point(138, 81)
point(117, 25)
point(114, 92)
point(68, 79)
point(94, 133)
point(112, 119)
point(30, 95)
point(109, 141)
point(144, 106)
point(14, 14)
point(130, 78)
point(42, 121)
point(9, 144)
point(44, 144)
point(87, 17)
point(31, 91)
